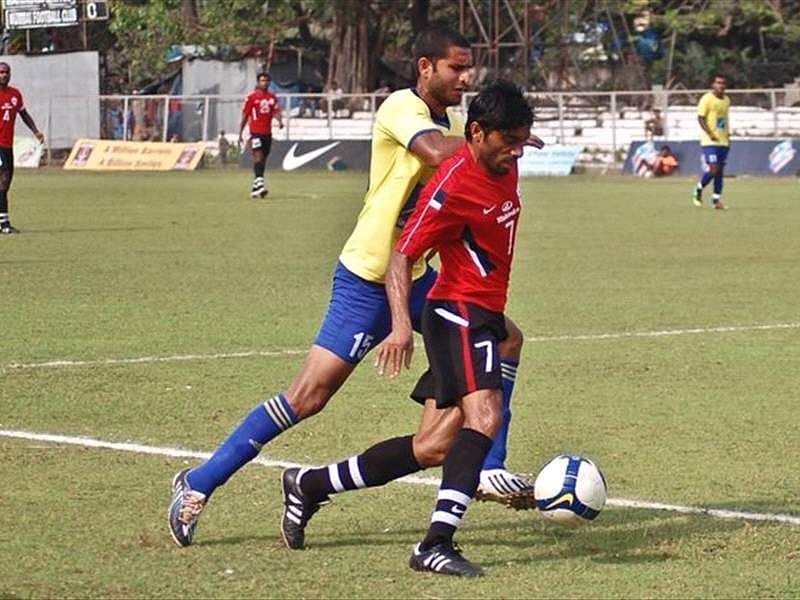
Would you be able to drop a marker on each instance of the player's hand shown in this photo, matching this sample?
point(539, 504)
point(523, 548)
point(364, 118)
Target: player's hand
point(535, 141)
point(395, 352)
point(241, 141)
point(280, 125)
point(713, 137)
point(39, 136)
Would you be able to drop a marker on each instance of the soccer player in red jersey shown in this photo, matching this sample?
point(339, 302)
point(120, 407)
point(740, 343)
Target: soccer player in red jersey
point(11, 105)
point(260, 107)
point(468, 212)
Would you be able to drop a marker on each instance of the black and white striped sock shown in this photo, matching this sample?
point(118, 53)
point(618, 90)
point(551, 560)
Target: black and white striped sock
point(460, 475)
point(380, 464)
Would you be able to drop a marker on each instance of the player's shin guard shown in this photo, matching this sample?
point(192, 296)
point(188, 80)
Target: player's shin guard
point(258, 168)
point(460, 474)
point(3, 206)
point(718, 178)
point(265, 422)
point(496, 459)
point(380, 464)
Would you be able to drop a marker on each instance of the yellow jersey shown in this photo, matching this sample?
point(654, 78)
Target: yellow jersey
point(715, 113)
point(396, 177)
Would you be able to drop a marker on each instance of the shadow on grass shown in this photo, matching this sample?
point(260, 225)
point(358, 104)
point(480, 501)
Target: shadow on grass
point(619, 537)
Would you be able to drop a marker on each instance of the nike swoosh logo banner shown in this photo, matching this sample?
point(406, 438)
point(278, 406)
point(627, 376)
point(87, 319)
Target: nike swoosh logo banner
point(292, 161)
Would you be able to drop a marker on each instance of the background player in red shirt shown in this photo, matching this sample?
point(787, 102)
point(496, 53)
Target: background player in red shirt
point(469, 213)
point(11, 105)
point(260, 107)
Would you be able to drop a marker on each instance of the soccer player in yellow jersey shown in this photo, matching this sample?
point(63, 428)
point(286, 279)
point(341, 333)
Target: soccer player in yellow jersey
point(712, 114)
point(415, 130)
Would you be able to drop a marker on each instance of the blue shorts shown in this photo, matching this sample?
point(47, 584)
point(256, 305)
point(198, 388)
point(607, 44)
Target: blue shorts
point(715, 155)
point(358, 316)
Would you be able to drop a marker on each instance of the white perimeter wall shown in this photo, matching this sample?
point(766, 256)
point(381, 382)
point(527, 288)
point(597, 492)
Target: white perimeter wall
point(46, 82)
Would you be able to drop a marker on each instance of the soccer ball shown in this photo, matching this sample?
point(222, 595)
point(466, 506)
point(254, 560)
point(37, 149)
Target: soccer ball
point(570, 490)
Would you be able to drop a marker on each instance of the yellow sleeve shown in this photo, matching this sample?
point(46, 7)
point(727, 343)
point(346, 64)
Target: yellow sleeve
point(702, 107)
point(404, 120)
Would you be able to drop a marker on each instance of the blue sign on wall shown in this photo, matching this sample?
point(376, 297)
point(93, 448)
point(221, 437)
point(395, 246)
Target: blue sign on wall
point(747, 157)
point(550, 160)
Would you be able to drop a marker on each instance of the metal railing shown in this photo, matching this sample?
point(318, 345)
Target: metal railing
point(599, 122)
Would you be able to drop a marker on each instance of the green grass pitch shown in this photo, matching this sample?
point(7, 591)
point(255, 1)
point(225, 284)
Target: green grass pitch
point(119, 266)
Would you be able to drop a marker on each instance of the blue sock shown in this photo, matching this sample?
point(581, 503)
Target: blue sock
point(706, 179)
point(718, 184)
point(265, 422)
point(496, 459)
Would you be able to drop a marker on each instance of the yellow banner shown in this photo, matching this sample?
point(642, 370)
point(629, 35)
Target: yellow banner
point(110, 155)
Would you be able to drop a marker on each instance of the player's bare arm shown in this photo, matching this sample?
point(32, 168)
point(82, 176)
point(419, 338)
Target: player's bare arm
point(398, 347)
point(704, 126)
point(28, 120)
point(433, 147)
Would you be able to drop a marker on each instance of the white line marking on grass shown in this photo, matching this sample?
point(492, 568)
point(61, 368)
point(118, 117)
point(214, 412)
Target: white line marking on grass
point(664, 333)
point(54, 364)
point(411, 479)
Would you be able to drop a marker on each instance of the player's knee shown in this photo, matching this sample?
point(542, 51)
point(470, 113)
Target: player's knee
point(307, 399)
point(511, 347)
point(486, 420)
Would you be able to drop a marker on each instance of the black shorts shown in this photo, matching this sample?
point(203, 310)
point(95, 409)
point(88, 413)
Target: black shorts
point(461, 341)
point(261, 142)
point(7, 164)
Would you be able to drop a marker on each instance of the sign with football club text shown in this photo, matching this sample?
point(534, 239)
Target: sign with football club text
point(111, 155)
point(33, 14)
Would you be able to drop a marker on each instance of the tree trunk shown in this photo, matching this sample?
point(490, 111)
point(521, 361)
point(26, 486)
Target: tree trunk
point(419, 15)
point(189, 14)
point(350, 53)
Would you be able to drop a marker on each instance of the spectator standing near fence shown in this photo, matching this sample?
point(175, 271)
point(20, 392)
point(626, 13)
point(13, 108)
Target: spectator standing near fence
point(260, 108)
point(11, 105)
point(712, 114)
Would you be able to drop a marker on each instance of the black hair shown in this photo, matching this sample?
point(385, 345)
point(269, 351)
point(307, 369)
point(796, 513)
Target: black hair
point(718, 76)
point(433, 43)
point(261, 74)
point(500, 106)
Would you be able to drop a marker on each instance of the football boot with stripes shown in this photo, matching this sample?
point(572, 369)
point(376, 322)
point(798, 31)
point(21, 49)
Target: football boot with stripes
point(7, 228)
point(259, 189)
point(445, 559)
point(504, 487)
point(185, 509)
point(298, 509)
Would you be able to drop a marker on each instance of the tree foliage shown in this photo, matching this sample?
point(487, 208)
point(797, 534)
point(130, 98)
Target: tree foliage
point(754, 42)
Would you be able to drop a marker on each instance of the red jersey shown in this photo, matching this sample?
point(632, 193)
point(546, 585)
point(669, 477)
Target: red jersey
point(260, 107)
point(470, 216)
point(10, 105)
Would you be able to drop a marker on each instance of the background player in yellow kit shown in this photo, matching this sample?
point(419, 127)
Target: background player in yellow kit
point(712, 114)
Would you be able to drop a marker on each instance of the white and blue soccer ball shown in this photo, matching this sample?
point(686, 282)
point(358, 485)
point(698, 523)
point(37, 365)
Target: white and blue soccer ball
point(570, 490)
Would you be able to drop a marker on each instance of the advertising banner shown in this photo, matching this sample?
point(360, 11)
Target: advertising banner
point(331, 155)
point(27, 152)
point(110, 155)
point(551, 160)
point(746, 157)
